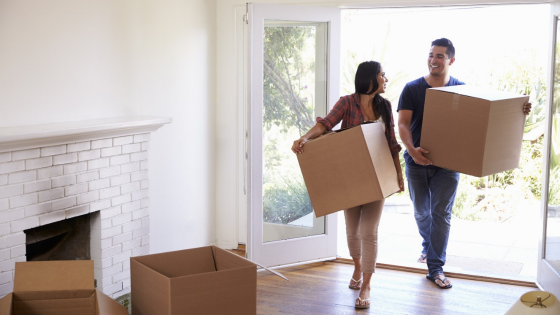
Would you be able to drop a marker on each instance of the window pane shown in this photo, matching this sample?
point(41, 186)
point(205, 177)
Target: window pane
point(293, 90)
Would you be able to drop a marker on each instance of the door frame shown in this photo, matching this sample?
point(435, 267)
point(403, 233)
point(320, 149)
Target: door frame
point(547, 277)
point(310, 248)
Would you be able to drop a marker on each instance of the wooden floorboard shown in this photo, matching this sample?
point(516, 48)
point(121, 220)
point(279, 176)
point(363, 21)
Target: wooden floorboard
point(322, 288)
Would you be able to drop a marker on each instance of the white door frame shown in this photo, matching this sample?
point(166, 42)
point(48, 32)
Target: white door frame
point(547, 277)
point(298, 249)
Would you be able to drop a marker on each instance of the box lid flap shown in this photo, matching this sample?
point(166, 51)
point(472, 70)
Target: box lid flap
point(108, 306)
point(6, 305)
point(180, 263)
point(226, 260)
point(54, 275)
point(478, 92)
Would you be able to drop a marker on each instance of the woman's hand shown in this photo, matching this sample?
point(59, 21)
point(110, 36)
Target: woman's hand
point(297, 148)
point(401, 182)
point(527, 108)
point(314, 132)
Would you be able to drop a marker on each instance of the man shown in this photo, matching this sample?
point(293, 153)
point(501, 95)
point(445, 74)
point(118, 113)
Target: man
point(432, 189)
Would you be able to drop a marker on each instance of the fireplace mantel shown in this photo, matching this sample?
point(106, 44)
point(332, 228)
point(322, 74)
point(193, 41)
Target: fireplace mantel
point(99, 167)
point(44, 135)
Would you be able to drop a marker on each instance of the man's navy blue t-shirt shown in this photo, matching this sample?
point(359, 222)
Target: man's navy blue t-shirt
point(412, 98)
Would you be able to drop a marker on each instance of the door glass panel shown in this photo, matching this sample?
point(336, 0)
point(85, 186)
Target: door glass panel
point(552, 244)
point(294, 93)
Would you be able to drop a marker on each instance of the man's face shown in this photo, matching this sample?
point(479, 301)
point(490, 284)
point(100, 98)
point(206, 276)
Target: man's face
point(438, 61)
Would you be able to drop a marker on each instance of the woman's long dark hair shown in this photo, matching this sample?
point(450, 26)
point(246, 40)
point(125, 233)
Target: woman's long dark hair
point(367, 73)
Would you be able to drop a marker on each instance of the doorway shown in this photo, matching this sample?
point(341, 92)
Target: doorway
point(496, 219)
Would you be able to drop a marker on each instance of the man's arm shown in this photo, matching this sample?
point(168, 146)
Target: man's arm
point(405, 118)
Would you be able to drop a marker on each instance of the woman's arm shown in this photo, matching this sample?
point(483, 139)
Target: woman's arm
point(323, 124)
point(314, 132)
point(397, 163)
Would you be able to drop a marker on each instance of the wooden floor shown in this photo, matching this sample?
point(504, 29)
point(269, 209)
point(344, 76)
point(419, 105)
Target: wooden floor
point(322, 288)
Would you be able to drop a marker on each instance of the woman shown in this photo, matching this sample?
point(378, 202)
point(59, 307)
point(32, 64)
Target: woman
point(366, 104)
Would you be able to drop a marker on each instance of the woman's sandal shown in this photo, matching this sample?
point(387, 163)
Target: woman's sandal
point(355, 284)
point(359, 303)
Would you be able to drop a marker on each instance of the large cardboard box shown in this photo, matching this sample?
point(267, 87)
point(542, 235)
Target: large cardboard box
point(348, 168)
point(205, 280)
point(472, 130)
point(57, 288)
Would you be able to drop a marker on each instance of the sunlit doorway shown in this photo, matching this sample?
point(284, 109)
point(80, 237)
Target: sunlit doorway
point(496, 218)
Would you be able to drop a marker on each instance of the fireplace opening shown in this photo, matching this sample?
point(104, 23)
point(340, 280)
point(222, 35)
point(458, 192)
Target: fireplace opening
point(64, 240)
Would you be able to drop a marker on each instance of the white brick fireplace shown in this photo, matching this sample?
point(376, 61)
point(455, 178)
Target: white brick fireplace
point(54, 172)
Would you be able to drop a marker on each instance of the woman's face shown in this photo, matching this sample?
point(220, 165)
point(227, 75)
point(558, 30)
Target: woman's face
point(381, 81)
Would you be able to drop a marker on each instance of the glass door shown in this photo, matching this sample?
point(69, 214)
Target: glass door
point(549, 264)
point(294, 66)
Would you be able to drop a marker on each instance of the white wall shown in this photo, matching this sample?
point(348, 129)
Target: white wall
point(66, 60)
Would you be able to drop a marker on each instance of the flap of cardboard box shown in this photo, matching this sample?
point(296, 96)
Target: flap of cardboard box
point(6, 304)
point(108, 306)
point(54, 275)
point(180, 263)
point(478, 92)
point(225, 260)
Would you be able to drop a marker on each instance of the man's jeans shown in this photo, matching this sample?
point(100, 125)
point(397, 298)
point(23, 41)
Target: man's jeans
point(432, 192)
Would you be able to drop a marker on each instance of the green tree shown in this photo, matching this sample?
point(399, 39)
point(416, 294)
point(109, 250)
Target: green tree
point(285, 69)
point(288, 104)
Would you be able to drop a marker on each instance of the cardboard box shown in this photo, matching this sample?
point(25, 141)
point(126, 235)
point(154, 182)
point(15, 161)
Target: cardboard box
point(205, 280)
point(348, 168)
point(472, 130)
point(57, 288)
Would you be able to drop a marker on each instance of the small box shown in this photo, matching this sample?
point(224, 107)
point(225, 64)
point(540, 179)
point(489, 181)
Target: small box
point(57, 288)
point(473, 130)
point(348, 168)
point(206, 280)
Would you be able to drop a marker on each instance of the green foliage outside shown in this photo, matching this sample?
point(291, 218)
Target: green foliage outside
point(289, 109)
point(287, 201)
point(288, 105)
point(496, 197)
point(286, 98)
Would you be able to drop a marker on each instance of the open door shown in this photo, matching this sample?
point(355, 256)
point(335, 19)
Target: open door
point(549, 251)
point(294, 54)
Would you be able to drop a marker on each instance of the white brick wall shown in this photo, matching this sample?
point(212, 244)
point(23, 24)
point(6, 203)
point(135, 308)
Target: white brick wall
point(107, 178)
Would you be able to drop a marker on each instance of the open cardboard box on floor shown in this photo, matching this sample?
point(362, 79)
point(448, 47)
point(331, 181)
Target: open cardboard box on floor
point(472, 130)
point(348, 168)
point(206, 280)
point(57, 288)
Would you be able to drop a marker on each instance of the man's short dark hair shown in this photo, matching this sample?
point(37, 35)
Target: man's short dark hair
point(444, 42)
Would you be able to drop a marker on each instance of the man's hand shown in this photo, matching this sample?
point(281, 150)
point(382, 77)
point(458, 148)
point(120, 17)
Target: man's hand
point(417, 155)
point(527, 108)
point(297, 148)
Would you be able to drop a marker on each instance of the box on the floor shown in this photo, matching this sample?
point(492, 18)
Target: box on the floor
point(472, 130)
point(57, 288)
point(348, 168)
point(206, 280)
